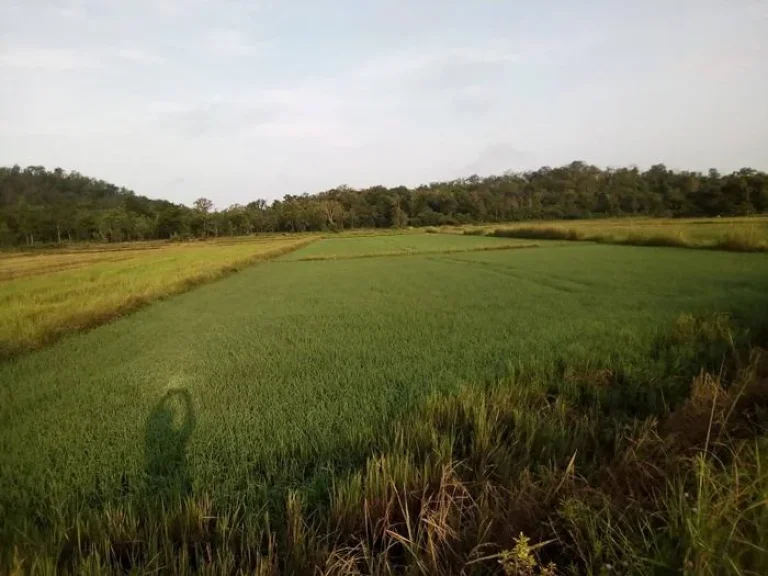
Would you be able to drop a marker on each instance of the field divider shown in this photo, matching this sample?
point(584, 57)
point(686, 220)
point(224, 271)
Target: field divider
point(401, 254)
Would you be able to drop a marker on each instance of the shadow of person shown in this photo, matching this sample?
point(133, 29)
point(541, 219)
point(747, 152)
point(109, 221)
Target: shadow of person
point(169, 427)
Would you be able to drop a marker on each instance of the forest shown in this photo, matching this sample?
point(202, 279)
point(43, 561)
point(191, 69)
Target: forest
point(40, 206)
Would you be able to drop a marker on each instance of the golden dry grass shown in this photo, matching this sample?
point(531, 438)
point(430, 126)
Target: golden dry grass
point(43, 296)
point(20, 265)
point(747, 234)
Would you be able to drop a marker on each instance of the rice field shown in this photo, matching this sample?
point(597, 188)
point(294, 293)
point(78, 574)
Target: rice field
point(277, 389)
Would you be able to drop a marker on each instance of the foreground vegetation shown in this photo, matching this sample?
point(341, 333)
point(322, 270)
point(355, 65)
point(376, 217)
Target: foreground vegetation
point(580, 470)
point(43, 296)
point(54, 207)
point(731, 234)
point(409, 415)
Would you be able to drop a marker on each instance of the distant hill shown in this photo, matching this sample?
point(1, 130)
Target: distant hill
point(37, 205)
point(41, 206)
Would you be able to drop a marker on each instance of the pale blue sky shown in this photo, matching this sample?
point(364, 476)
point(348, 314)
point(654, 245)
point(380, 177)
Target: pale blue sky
point(241, 99)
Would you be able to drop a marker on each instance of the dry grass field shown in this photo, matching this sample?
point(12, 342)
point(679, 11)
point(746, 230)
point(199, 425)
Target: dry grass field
point(748, 234)
point(44, 295)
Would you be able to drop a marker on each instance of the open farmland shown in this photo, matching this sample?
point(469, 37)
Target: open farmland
point(290, 374)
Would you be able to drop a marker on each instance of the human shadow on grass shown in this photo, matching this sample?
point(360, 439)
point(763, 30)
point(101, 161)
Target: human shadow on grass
point(169, 428)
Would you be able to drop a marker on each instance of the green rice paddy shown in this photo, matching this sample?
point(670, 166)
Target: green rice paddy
point(289, 369)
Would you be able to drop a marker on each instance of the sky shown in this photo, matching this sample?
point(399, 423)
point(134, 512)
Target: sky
point(242, 99)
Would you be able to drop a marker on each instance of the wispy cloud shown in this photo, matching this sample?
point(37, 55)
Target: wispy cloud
point(286, 116)
point(52, 59)
point(139, 55)
point(233, 42)
point(418, 61)
point(486, 55)
point(212, 118)
point(69, 8)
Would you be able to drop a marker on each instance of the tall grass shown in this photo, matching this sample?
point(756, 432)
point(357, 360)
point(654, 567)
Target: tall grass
point(537, 474)
point(50, 295)
point(740, 236)
point(743, 239)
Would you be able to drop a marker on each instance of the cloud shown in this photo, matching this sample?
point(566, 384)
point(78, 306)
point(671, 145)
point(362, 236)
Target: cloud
point(55, 59)
point(288, 117)
point(69, 8)
point(216, 119)
point(49, 59)
point(138, 55)
point(756, 9)
point(440, 67)
point(486, 55)
point(434, 86)
point(52, 59)
point(497, 158)
point(232, 42)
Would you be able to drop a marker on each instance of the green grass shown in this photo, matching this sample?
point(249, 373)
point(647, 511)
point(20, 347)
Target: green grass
point(304, 360)
point(368, 246)
point(292, 374)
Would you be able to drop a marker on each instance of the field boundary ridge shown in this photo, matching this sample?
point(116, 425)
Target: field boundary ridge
point(414, 253)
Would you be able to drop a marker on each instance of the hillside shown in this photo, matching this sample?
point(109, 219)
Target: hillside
point(41, 206)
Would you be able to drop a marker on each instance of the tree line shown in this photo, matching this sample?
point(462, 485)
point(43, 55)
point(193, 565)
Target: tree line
point(42, 206)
